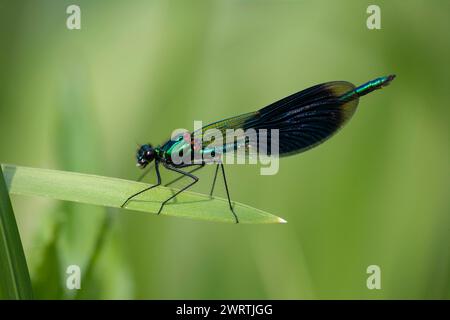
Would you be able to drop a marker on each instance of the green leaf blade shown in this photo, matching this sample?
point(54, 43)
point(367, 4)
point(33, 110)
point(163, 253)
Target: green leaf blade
point(111, 192)
point(15, 280)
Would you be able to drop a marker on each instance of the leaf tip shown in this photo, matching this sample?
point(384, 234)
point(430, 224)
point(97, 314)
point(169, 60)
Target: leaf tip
point(281, 220)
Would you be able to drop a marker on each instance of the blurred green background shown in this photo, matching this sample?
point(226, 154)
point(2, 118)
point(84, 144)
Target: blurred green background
point(376, 193)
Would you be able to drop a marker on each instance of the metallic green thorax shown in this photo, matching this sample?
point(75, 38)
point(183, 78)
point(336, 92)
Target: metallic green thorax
point(368, 87)
point(180, 146)
point(177, 146)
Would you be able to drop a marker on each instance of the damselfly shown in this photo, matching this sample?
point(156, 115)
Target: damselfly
point(303, 120)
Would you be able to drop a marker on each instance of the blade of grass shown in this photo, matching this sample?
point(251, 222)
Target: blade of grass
point(97, 250)
point(14, 277)
point(111, 192)
point(47, 277)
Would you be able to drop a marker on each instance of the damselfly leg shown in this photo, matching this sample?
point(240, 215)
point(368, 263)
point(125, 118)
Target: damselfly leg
point(158, 177)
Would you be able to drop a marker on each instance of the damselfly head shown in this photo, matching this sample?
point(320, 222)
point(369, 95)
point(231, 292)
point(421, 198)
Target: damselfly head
point(145, 154)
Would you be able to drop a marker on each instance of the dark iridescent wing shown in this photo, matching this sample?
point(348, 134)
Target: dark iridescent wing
point(309, 117)
point(304, 119)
